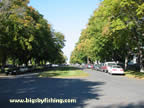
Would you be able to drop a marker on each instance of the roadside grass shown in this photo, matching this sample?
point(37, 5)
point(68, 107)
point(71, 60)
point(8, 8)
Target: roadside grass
point(134, 74)
point(63, 72)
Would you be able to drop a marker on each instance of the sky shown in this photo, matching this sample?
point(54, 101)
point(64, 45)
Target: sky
point(67, 16)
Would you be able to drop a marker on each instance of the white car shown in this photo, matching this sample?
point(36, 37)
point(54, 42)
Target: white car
point(107, 66)
point(116, 69)
point(55, 65)
point(23, 69)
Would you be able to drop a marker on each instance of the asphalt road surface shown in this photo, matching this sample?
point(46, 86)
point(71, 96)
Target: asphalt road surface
point(99, 90)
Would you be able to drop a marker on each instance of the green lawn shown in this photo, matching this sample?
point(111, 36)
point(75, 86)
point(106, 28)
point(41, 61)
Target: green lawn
point(64, 72)
point(134, 74)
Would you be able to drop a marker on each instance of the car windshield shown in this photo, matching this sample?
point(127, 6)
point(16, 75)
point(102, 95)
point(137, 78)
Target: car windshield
point(116, 66)
point(111, 64)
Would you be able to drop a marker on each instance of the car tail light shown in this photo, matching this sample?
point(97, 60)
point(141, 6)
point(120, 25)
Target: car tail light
point(121, 69)
point(114, 70)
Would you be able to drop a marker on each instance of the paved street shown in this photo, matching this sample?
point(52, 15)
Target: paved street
point(99, 90)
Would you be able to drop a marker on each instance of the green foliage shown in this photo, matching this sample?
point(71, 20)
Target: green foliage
point(114, 31)
point(59, 38)
point(25, 35)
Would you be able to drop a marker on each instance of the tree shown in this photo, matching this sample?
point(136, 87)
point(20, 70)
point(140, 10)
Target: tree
point(25, 35)
point(114, 32)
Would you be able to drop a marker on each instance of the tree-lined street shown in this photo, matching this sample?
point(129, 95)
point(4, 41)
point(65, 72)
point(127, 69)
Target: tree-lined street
point(33, 64)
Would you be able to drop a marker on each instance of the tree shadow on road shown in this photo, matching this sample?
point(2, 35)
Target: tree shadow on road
point(21, 88)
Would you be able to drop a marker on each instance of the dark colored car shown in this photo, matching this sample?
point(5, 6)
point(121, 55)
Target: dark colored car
point(12, 71)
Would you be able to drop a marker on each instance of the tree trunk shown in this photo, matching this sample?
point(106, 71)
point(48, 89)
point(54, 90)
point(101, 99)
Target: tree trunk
point(30, 61)
point(141, 60)
point(3, 64)
point(88, 61)
point(14, 62)
point(126, 62)
point(26, 63)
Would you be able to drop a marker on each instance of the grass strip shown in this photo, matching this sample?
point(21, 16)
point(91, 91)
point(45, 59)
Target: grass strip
point(64, 72)
point(134, 74)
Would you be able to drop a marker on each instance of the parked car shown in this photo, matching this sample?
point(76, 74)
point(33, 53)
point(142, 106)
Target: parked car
point(107, 65)
point(55, 65)
point(89, 66)
point(132, 66)
point(116, 69)
point(83, 65)
point(102, 67)
point(12, 71)
point(92, 66)
point(97, 67)
point(23, 69)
